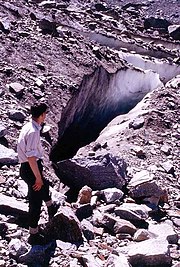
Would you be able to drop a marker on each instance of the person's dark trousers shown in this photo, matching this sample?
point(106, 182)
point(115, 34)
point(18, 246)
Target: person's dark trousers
point(35, 197)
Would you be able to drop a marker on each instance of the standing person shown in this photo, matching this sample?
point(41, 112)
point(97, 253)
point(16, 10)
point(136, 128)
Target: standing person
point(30, 154)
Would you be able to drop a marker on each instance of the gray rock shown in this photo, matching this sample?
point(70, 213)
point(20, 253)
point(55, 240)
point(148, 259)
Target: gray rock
point(140, 177)
point(84, 195)
point(142, 185)
point(17, 115)
point(39, 83)
point(156, 23)
point(174, 31)
point(16, 248)
point(12, 206)
point(88, 229)
point(166, 149)
point(124, 226)
point(168, 166)
point(98, 173)
point(2, 92)
point(89, 260)
point(117, 261)
point(153, 252)
point(176, 221)
point(66, 246)
point(16, 88)
point(137, 123)
point(47, 25)
point(107, 208)
point(117, 225)
point(5, 25)
point(143, 234)
point(64, 226)
point(139, 151)
point(48, 4)
point(2, 263)
point(3, 130)
point(112, 194)
point(176, 264)
point(84, 211)
point(164, 230)
point(7, 155)
point(132, 212)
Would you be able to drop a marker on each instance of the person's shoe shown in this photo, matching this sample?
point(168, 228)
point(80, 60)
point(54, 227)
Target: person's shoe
point(52, 210)
point(36, 239)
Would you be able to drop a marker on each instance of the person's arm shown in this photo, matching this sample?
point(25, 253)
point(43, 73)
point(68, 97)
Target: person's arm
point(34, 166)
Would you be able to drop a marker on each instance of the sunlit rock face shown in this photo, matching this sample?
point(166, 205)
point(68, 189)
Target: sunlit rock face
point(102, 96)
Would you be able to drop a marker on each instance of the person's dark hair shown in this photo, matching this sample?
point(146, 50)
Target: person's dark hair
point(38, 109)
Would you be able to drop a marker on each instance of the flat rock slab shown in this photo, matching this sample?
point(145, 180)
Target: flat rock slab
point(132, 212)
point(98, 172)
point(9, 205)
point(164, 230)
point(153, 252)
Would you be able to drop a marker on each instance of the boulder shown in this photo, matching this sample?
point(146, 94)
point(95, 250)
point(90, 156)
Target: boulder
point(156, 23)
point(89, 260)
point(124, 226)
point(174, 31)
point(84, 211)
point(164, 230)
point(84, 196)
point(110, 195)
point(142, 186)
point(137, 123)
point(47, 25)
point(98, 173)
point(17, 115)
point(117, 261)
point(150, 253)
point(16, 248)
point(10, 205)
point(16, 88)
point(64, 226)
point(3, 130)
point(143, 234)
point(88, 229)
point(116, 225)
point(7, 155)
point(132, 212)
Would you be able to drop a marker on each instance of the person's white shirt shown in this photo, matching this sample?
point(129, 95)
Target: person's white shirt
point(29, 143)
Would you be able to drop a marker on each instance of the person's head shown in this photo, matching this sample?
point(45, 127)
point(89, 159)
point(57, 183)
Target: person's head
point(38, 111)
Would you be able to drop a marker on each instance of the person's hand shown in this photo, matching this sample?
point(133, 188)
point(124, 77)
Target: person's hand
point(38, 184)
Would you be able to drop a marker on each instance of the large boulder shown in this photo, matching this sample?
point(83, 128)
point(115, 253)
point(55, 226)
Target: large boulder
point(98, 172)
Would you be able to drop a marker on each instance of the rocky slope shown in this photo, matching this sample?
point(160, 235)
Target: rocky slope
point(93, 62)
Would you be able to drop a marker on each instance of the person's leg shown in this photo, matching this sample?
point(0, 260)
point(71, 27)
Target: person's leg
point(46, 197)
point(35, 203)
